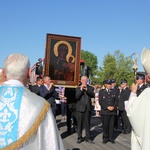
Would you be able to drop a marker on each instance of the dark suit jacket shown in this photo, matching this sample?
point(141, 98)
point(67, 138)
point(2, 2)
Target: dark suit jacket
point(106, 99)
point(84, 98)
point(123, 96)
point(50, 95)
point(30, 87)
point(116, 90)
point(36, 89)
point(139, 90)
point(70, 93)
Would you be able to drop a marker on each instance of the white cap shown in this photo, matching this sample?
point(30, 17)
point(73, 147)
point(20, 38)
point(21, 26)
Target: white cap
point(145, 59)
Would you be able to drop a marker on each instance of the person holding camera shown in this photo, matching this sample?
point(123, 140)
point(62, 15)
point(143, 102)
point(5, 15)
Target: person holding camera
point(84, 93)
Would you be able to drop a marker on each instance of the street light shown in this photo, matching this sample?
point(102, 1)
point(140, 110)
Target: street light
point(39, 67)
point(134, 58)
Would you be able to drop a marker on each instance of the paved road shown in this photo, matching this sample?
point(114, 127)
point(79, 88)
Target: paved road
point(122, 140)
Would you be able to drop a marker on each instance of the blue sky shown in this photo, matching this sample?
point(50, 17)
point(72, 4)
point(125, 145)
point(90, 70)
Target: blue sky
point(104, 26)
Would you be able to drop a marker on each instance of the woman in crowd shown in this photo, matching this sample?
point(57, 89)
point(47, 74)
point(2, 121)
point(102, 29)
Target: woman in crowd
point(63, 101)
point(97, 105)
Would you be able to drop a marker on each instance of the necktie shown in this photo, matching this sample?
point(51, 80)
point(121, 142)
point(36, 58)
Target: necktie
point(47, 86)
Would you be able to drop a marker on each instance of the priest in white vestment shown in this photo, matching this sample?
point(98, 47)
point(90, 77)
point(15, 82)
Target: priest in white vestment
point(26, 120)
point(138, 110)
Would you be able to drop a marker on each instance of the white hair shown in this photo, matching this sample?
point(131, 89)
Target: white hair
point(16, 66)
point(84, 77)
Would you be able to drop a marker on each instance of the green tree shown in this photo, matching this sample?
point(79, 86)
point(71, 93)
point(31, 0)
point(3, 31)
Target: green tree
point(124, 67)
point(116, 66)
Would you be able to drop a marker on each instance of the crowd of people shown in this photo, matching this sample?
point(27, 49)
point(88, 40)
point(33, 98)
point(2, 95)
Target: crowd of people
point(28, 112)
point(76, 105)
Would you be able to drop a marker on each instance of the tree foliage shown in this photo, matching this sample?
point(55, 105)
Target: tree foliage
point(116, 66)
point(124, 67)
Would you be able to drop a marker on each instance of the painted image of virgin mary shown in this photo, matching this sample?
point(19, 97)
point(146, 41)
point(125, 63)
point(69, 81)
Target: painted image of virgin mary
point(65, 62)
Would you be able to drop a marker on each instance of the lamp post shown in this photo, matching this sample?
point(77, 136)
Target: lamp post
point(134, 58)
point(39, 67)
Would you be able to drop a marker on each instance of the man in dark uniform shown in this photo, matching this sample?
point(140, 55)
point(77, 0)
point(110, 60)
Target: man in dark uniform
point(124, 96)
point(84, 93)
point(140, 79)
point(108, 102)
point(116, 90)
